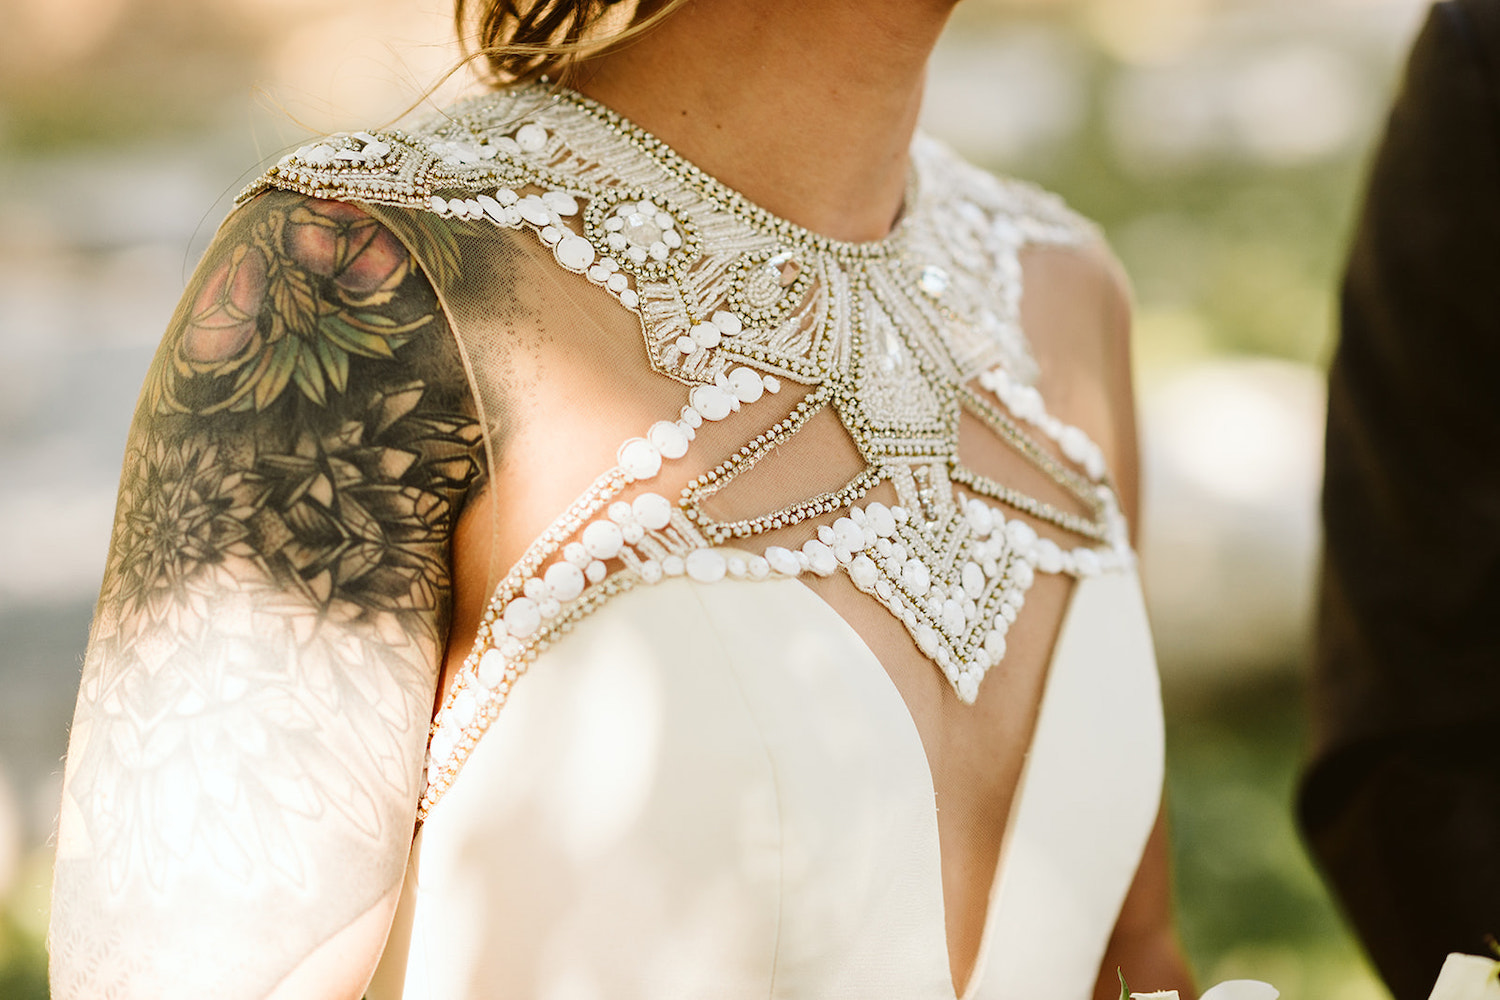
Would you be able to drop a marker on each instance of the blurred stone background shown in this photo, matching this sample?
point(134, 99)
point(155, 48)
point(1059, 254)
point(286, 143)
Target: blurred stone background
point(1221, 143)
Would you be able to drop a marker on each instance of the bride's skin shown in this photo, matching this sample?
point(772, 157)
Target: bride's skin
point(224, 808)
point(755, 93)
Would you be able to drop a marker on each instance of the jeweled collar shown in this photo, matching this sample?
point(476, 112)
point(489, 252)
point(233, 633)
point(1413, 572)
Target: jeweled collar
point(898, 337)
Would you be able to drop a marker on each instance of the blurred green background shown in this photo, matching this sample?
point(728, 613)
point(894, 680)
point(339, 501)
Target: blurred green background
point(1221, 143)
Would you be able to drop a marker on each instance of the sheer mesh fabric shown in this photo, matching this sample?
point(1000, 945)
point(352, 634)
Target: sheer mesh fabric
point(562, 376)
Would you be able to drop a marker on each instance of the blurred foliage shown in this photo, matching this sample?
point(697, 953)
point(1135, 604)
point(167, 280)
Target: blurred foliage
point(23, 964)
point(90, 72)
point(23, 930)
point(1233, 249)
point(1252, 255)
point(1250, 904)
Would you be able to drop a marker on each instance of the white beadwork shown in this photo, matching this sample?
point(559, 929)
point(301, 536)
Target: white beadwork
point(733, 301)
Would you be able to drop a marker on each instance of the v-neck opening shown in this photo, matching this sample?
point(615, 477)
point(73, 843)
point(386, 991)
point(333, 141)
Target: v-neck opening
point(976, 973)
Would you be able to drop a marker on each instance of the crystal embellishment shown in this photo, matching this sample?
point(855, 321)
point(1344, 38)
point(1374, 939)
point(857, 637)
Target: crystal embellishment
point(898, 339)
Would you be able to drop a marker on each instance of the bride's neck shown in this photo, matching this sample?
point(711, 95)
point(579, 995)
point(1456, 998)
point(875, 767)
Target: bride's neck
point(804, 106)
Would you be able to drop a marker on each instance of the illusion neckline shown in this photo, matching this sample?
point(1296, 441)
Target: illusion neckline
point(892, 244)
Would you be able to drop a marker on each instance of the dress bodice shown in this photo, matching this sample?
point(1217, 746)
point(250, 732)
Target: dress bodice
point(686, 803)
point(668, 767)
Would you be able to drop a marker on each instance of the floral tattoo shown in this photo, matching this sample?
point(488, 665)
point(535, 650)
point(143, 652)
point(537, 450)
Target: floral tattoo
point(254, 705)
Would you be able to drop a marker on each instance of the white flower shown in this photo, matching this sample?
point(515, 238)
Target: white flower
point(1234, 989)
point(1242, 989)
point(1466, 977)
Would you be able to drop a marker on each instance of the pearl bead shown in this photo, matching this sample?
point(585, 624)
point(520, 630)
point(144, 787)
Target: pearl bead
point(640, 458)
point(531, 137)
point(492, 208)
point(782, 560)
point(848, 535)
point(711, 401)
point(705, 335)
point(561, 202)
point(953, 617)
point(968, 687)
point(668, 439)
point(566, 580)
point(534, 210)
point(973, 580)
point(863, 571)
point(880, 519)
point(444, 742)
point(1022, 536)
point(820, 558)
point(1049, 558)
point(746, 385)
point(914, 574)
point(603, 539)
point(491, 668)
point(574, 252)
point(705, 565)
point(652, 510)
point(980, 519)
point(522, 617)
point(1074, 444)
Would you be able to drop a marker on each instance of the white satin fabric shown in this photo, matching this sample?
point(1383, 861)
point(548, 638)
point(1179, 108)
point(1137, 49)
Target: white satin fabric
point(715, 791)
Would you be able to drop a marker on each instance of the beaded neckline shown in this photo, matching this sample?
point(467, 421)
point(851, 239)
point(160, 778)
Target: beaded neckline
point(762, 218)
point(897, 338)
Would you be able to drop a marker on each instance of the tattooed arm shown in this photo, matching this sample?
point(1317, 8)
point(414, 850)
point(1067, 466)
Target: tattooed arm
point(246, 754)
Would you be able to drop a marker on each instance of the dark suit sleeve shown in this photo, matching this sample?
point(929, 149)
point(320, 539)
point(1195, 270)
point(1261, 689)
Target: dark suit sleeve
point(1401, 804)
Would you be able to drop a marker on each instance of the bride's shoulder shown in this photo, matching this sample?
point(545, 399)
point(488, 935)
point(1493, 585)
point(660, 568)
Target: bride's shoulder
point(1056, 247)
point(1075, 300)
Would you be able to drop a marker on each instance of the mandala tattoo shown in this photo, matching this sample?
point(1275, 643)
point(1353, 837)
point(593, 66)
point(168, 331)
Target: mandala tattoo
point(246, 753)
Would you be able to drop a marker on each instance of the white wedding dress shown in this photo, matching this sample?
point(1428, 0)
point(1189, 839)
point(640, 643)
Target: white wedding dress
point(670, 767)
